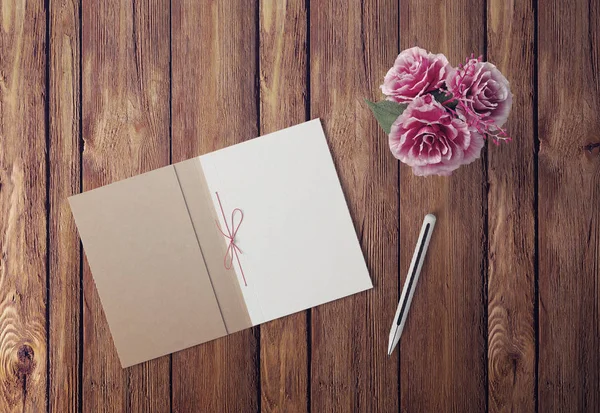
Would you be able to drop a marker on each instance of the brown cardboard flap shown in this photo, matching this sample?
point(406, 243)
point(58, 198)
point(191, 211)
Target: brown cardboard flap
point(213, 245)
point(149, 270)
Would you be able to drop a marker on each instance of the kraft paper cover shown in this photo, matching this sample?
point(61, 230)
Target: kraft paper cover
point(149, 267)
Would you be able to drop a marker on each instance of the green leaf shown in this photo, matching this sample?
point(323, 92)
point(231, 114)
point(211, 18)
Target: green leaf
point(386, 112)
point(452, 105)
point(441, 96)
point(445, 98)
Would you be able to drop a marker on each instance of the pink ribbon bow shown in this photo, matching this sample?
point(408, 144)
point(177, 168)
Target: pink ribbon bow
point(232, 248)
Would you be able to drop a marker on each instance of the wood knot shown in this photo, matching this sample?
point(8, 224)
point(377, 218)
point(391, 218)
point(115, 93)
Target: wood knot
point(26, 363)
point(592, 150)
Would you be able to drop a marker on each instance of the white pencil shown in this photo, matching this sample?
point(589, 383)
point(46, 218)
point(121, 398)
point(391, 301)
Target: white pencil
point(411, 281)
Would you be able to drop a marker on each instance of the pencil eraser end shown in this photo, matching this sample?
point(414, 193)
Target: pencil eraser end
point(430, 218)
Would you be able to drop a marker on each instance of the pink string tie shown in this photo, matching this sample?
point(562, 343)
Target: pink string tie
point(232, 249)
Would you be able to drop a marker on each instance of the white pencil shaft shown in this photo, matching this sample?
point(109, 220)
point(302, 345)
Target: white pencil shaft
point(411, 280)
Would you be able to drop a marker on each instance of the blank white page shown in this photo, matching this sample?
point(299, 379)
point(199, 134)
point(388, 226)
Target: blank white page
point(299, 245)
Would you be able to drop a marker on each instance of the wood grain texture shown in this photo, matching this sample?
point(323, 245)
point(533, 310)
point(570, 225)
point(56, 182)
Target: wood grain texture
point(23, 348)
point(511, 222)
point(283, 91)
point(125, 81)
point(214, 105)
point(569, 213)
point(443, 346)
point(351, 46)
point(64, 248)
point(240, 69)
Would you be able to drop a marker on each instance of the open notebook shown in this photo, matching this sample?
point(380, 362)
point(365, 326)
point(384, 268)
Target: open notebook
point(197, 250)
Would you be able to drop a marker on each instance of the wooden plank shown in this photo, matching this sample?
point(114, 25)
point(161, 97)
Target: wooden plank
point(125, 58)
point(443, 364)
point(64, 248)
point(569, 216)
point(511, 217)
point(214, 106)
point(283, 91)
point(23, 236)
point(351, 46)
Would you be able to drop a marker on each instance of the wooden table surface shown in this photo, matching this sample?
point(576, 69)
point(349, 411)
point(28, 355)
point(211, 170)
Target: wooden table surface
point(506, 316)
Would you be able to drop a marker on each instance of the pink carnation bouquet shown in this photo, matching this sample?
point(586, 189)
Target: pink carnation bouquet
point(438, 117)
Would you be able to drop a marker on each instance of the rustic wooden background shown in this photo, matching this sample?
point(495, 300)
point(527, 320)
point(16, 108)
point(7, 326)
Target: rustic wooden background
point(506, 316)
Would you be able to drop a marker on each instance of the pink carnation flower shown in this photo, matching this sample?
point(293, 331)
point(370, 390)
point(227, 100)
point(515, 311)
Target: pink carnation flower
point(483, 91)
point(415, 72)
point(432, 140)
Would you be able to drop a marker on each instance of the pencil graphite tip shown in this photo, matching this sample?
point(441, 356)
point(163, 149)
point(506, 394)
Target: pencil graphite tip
point(391, 350)
point(392, 343)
